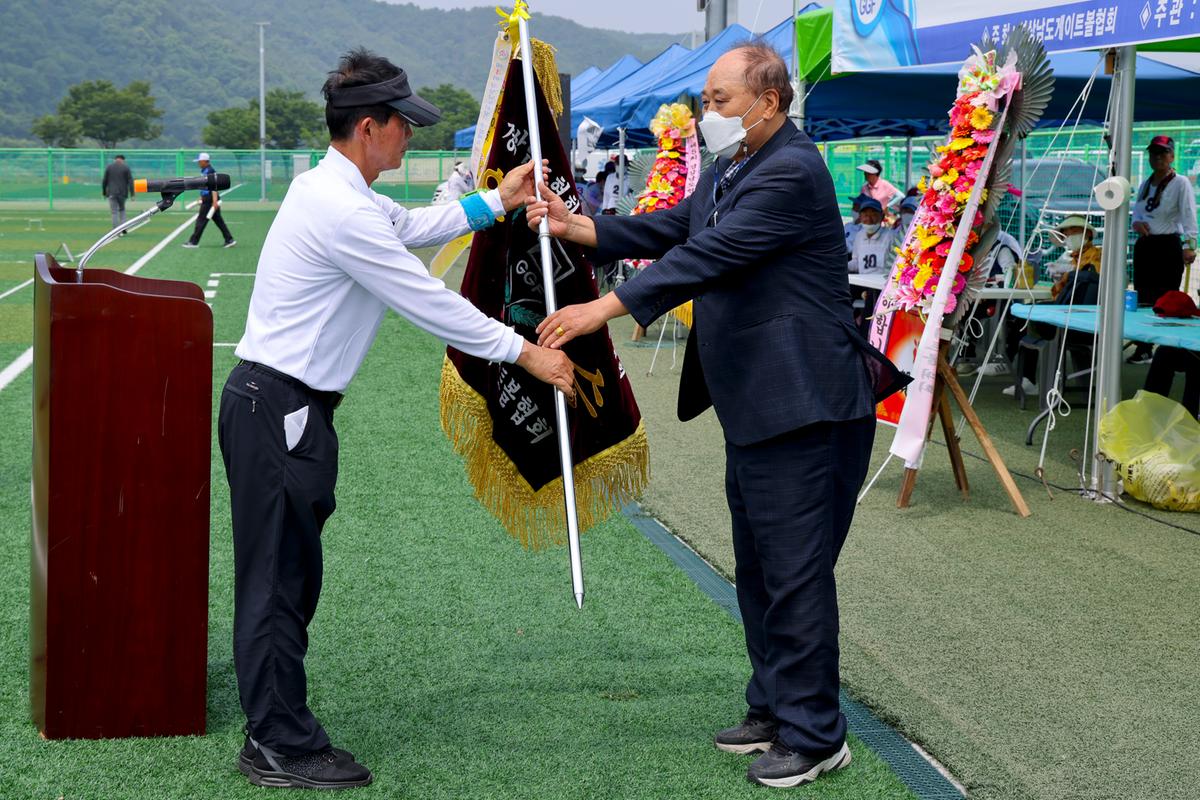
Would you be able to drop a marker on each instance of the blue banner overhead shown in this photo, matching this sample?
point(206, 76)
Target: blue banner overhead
point(886, 34)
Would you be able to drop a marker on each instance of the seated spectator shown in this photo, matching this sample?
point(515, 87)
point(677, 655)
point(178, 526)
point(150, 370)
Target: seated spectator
point(1004, 258)
point(908, 212)
point(873, 248)
point(1169, 360)
point(855, 224)
point(1076, 235)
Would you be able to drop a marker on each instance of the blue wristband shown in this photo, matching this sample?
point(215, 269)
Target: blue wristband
point(479, 214)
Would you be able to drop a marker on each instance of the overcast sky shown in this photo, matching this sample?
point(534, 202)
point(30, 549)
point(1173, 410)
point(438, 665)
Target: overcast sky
point(638, 16)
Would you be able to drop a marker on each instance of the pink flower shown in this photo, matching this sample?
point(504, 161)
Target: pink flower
point(962, 184)
point(960, 283)
point(951, 304)
point(983, 137)
point(935, 171)
point(943, 249)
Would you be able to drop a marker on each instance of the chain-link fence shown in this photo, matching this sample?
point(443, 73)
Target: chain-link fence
point(53, 177)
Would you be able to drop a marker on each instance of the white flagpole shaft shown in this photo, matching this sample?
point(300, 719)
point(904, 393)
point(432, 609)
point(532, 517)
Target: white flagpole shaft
point(560, 400)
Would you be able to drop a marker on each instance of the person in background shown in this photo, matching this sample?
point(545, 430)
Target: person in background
point(908, 212)
point(1169, 360)
point(210, 208)
point(612, 186)
point(852, 227)
point(460, 182)
point(1079, 286)
point(876, 186)
point(595, 194)
point(1164, 218)
point(117, 186)
point(873, 249)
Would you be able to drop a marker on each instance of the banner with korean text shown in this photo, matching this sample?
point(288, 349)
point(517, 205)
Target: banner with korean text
point(890, 34)
point(498, 417)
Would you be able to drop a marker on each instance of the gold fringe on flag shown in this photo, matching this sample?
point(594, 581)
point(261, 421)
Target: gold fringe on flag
point(683, 313)
point(546, 69)
point(603, 483)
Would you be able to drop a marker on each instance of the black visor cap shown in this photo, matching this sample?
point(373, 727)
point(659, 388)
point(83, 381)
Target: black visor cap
point(394, 92)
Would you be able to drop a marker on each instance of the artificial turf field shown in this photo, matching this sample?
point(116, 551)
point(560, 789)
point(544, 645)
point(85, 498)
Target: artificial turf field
point(1051, 658)
point(444, 656)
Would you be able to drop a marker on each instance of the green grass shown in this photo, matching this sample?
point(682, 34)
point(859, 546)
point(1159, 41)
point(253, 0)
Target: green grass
point(1054, 657)
point(445, 657)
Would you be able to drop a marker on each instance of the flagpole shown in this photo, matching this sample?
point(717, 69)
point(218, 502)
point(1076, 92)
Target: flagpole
point(560, 400)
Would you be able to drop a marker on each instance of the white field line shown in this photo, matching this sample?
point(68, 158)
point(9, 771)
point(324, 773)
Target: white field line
point(25, 360)
point(16, 289)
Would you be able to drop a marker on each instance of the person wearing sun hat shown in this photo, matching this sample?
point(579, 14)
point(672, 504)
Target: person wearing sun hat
point(875, 185)
point(1076, 235)
point(1164, 218)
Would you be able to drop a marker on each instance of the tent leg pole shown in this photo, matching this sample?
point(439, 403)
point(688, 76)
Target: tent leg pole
point(1021, 204)
point(1113, 273)
point(908, 172)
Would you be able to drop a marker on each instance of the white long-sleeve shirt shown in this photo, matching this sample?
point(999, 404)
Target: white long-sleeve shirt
point(336, 257)
point(1176, 214)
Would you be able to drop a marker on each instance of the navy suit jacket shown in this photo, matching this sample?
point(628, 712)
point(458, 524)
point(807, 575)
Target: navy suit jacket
point(773, 347)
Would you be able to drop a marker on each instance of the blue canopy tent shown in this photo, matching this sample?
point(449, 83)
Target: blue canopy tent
point(580, 82)
point(585, 88)
point(600, 105)
point(634, 111)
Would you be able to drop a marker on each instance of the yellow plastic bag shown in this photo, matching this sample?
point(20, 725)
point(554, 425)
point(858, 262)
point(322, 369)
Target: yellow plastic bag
point(1155, 443)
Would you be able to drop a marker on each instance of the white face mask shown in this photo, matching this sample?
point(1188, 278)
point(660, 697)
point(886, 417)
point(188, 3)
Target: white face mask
point(1075, 242)
point(724, 135)
point(871, 229)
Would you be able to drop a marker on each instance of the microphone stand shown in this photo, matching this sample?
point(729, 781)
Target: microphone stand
point(168, 199)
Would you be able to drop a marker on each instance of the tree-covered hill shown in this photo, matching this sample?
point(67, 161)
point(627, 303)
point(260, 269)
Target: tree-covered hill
point(199, 57)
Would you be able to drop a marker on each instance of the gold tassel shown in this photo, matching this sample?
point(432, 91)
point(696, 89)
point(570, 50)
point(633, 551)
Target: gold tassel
point(683, 313)
point(603, 483)
point(546, 69)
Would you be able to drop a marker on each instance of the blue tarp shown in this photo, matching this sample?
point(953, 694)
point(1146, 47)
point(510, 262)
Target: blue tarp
point(635, 111)
point(914, 102)
point(599, 106)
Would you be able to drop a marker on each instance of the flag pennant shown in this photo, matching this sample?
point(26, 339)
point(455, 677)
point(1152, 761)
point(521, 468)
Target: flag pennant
point(499, 418)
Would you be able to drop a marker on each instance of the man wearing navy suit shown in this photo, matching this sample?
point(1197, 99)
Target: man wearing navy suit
point(759, 247)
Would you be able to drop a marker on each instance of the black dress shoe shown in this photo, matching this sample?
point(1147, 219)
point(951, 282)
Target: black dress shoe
point(782, 767)
point(751, 736)
point(322, 769)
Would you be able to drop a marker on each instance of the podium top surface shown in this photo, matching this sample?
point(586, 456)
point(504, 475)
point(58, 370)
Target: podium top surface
point(49, 272)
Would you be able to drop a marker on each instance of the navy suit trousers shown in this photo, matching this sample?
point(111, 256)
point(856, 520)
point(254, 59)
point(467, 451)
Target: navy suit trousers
point(792, 499)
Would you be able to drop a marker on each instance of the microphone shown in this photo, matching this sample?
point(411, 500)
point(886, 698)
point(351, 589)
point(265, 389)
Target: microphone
point(218, 181)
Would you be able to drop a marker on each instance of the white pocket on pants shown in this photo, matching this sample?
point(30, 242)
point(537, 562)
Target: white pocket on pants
point(293, 427)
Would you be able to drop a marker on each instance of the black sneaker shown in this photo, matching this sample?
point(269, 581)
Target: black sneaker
point(190, 245)
point(324, 769)
point(249, 751)
point(230, 243)
point(751, 736)
point(782, 767)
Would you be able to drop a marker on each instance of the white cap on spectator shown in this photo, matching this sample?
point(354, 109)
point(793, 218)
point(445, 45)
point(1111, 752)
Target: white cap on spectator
point(869, 168)
point(203, 157)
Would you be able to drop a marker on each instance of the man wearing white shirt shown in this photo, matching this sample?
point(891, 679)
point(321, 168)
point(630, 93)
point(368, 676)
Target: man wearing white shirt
point(336, 258)
point(1164, 217)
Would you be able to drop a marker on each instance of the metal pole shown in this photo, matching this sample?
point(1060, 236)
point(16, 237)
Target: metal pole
point(560, 400)
point(1021, 203)
point(621, 188)
point(262, 110)
point(714, 18)
point(796, 112)
point(907, 162)
point(1113, 271)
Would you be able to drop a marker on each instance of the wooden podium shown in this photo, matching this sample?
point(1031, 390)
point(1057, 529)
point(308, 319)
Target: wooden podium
point(122, 429)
